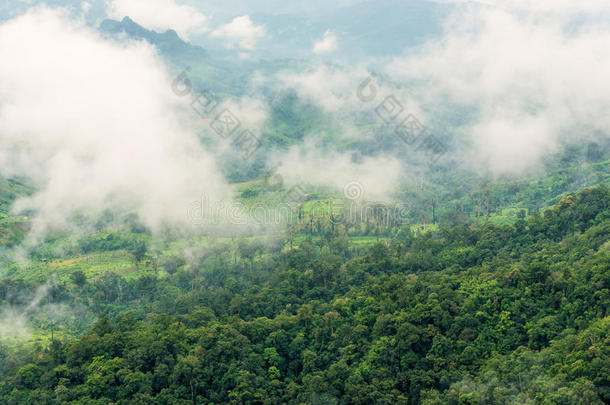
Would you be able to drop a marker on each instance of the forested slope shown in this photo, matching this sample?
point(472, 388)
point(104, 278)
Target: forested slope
point(487, 314)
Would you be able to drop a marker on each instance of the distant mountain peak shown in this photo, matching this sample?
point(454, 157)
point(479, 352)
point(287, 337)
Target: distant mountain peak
point(168, 42)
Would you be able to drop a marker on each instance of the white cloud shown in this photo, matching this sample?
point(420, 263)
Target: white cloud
point(330, 88)
point(14, 325)
point(160, 15)
point(537, 79)
point(85, 7)
point(327, 44)
point(241, 31)
point(552, 6)
point(96, 125)
point(14, 320)
point(375, 177)
point(345, 91)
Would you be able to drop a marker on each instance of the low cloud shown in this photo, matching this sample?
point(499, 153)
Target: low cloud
point(15, 320)
point(14, 325)
point(160, 15)
point(96, 125)
point(369, 178)
point(333, 89)
point(241, 32)
point(327, 44)
point(547, 6)
point(536, 78)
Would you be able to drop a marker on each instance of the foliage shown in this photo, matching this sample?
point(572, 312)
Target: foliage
point(464, 314)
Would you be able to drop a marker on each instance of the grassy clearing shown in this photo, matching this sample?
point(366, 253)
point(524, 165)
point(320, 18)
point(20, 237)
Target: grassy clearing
point(91, 265)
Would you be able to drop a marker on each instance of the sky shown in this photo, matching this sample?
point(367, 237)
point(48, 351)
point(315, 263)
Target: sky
point(270, 28)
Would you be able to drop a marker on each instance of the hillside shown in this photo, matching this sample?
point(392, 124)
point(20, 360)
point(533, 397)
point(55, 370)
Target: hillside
point(491, 313)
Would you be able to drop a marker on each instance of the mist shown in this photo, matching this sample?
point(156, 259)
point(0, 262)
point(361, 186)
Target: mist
point(536, 76)
point(95, 124)
point(369, 178)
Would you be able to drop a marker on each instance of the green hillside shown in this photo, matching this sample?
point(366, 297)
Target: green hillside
point(462, 314)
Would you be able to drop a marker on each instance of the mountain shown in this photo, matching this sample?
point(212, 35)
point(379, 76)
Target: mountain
point(210, 72)
point(168, 42)
point(217, 70)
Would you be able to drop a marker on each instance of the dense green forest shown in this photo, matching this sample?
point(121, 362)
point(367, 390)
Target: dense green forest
point(465, 313)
